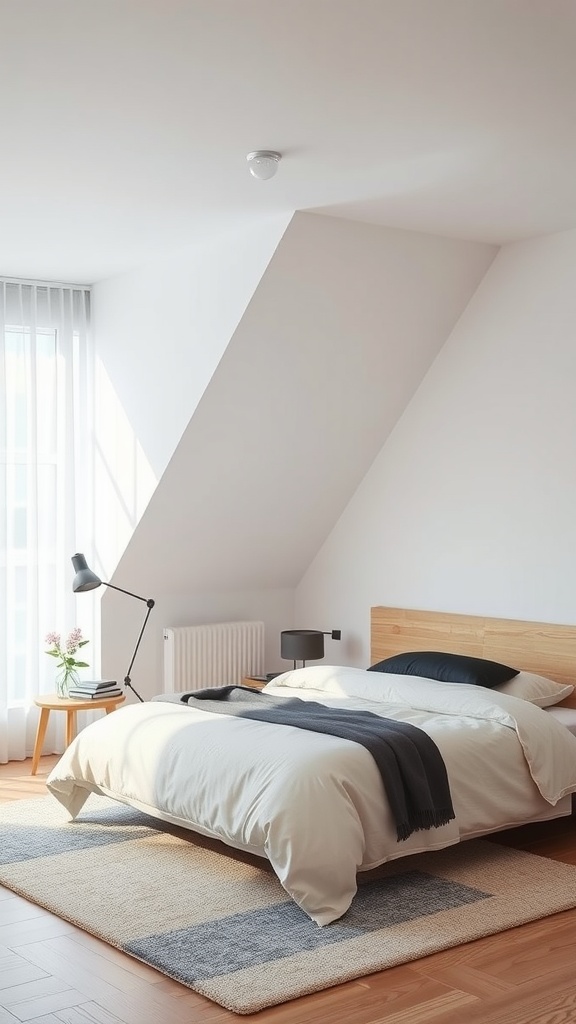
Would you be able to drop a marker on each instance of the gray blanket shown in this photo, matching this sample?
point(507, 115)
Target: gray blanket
point(413, 772)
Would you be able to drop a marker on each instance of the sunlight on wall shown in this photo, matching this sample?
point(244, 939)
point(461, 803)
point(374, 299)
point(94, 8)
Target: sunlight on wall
point(123, 479)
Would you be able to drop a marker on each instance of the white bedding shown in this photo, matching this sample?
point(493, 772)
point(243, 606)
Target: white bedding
point(315, 804)
point(565, 715)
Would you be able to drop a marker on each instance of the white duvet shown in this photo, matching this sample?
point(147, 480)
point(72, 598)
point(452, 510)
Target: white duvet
point(314, 804)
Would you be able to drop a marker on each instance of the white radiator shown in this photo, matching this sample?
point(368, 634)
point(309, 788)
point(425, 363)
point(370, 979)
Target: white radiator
point(216, 654)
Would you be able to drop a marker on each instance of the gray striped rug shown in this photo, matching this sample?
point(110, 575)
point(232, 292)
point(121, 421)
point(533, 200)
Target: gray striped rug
point(222, 924)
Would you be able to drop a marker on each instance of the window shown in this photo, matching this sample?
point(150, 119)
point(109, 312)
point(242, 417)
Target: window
point(46, 460)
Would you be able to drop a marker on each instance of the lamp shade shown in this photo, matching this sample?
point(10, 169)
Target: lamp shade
point(84, 579)
point(302, 644)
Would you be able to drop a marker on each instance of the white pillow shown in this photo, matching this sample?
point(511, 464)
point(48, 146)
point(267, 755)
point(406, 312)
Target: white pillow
point(335, 679)
point(537, 689)
point(357, 682)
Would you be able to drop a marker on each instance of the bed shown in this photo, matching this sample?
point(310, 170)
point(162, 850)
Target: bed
point(315, 804)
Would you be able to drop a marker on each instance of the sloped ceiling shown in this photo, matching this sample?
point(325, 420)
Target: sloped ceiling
point(339, 333)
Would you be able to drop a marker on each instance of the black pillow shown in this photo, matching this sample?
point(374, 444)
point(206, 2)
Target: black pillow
point(447, 668)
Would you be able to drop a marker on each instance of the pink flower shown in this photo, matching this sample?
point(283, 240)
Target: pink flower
point(73, 640)
point(66, 654)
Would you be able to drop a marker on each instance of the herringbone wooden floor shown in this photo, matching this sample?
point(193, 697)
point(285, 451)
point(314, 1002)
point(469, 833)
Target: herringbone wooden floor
point(53, 973)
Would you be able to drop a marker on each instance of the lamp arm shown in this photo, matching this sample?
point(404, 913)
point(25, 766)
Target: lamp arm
point(129, 592)
point(127, 681)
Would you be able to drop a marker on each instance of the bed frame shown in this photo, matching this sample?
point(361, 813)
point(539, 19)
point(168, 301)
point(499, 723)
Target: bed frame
point(541, 647)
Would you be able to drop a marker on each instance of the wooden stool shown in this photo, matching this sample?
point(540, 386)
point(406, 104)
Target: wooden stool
point(51, 702)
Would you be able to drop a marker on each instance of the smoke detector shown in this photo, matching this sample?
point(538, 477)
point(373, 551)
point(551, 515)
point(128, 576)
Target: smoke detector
point(263, 163)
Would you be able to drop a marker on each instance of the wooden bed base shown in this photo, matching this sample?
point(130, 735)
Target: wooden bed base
point(541, 647)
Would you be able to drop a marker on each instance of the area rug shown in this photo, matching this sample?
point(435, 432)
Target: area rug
point(224, 926)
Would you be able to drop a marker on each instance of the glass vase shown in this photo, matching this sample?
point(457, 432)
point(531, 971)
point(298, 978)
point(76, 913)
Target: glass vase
point(67, 678)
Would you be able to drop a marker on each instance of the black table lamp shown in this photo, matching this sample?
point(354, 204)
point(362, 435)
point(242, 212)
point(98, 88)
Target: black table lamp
point(85, 579)
point(305, 644)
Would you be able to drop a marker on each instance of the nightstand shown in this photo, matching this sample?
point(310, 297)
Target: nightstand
point(70, 705)
point(254, 682)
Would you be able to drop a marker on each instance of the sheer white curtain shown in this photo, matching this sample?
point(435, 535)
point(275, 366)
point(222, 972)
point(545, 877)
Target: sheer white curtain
point(46, 474)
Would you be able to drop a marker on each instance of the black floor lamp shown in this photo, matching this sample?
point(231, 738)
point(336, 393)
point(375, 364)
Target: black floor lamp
point(85, 579)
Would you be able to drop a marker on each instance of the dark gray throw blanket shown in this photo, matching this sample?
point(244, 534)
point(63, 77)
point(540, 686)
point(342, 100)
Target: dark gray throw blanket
point(411, 766)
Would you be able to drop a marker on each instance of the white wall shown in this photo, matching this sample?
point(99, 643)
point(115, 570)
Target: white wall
point(274, 606)
point(339, 332)
point(161, 329)
point(160, 332)
point(471, 504)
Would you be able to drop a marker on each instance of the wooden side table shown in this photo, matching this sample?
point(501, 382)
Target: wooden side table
point(255, 682)
point(51, 702)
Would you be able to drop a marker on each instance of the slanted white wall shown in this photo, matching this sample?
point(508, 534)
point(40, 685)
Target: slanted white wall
point(471, 504)
point(160, 332)
point(161, 329)
point(340, 331)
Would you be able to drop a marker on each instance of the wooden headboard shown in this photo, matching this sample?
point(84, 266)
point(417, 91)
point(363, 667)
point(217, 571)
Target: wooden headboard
point(540, 647)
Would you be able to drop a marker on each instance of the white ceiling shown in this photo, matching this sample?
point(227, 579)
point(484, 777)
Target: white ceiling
point(125, 124)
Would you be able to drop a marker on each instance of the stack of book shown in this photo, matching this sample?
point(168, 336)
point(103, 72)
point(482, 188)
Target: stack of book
point(95, 689)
